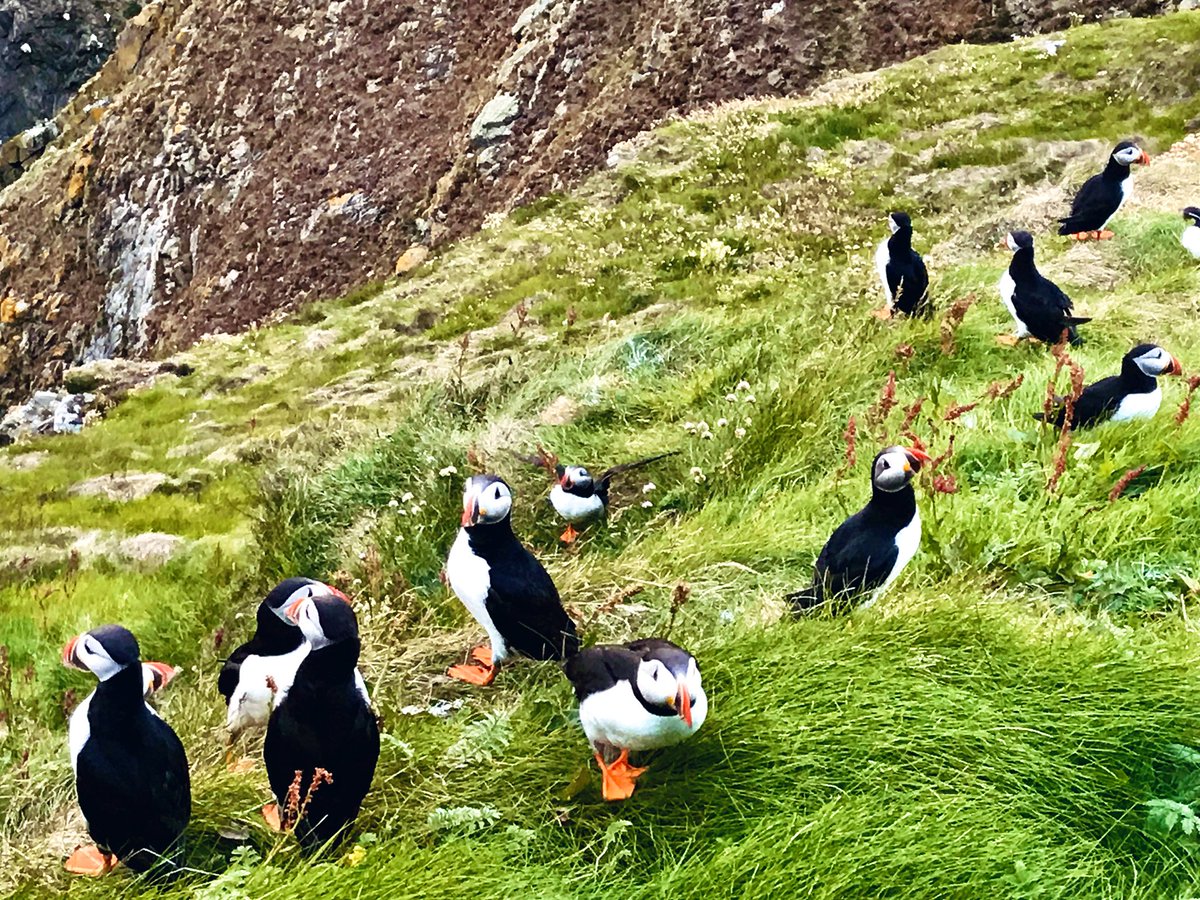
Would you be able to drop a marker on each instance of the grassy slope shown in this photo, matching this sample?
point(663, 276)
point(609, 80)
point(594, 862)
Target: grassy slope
point(998, 724)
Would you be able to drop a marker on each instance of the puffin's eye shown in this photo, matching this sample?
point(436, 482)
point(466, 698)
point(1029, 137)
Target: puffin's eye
point(497, 493)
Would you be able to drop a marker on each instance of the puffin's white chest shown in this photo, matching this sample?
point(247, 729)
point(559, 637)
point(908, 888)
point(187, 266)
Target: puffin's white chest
point(1122, 196)
point(471, 580)
point(1008, 288)
point(616, 717)
point(1138, 406)
point(908, 540)
point(253, 699)
point(1191, 240)
point(574, 508)
point(78, 731)
point(882, 255)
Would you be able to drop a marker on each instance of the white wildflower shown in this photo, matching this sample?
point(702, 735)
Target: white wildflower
point(698, 475)
point(406, 496)
point(739, 432)
point(393, 503)
point(448, 471)
point(750, 398)
point(742, 386)
point(721, 423)
point(707, 436)
point(646, 504)
point(732, 398)
point(648, 487)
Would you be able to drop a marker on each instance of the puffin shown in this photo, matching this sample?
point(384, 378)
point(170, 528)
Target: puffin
point(503, 586)
point(1191, 234)
point(1102, 195)
point(642, 695)
point(259, 672)
point(577, 495)
point(1134, 394)
point(1038, 306)
point(322, 740)
point(869, 550)
point(131, 771)
point(902, 272)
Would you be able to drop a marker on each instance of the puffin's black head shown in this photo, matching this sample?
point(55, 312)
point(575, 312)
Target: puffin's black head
point(103, 651)
point(894, 467)
point(670, 677)
point(574, 477)
point(486, 500)
point(324, 620)
point(1019, 240)
point(1127, 153)
point(1153, 360)
point(899, 221)
point(1192, 214)
point(288, 591)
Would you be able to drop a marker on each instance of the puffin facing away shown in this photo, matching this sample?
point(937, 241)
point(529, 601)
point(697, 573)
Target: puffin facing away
point(323, 736)
point(1191, 234)
point(577, 495)
point(1134, 394)
point(1102, 195)
point(259, 672)
point(131, 772)
point(1038, 306)
point(503, 586)
point(637, 696)
point(902, 272)
point(868, 551)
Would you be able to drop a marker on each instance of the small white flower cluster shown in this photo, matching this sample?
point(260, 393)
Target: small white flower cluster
point(406, 505)
point(701, 429)
point(447, 472)
point(698, 475)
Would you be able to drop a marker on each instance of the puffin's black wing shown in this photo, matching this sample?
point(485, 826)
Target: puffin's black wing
point(231, 671)
point(856, 559)
point(136, 793)
point(608, 473)
point(909, 284)
point(524, 605)
point(1096, 201)
point(1046, 311)
point(1096, 404)
point(599, 668)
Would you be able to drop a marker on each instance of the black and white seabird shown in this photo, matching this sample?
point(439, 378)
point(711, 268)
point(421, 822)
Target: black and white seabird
point(902, 271)
point(637, 696)
point(1134, 394)
point(503, 586)
point(258, 674)
point(323, 736)
point(131, 772)
point(1191, 234)
point(1038, 306)
point(1102, 195)
point(868, 551)
point(578, 496)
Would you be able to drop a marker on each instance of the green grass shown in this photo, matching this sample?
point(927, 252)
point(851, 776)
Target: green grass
point(1017, 717)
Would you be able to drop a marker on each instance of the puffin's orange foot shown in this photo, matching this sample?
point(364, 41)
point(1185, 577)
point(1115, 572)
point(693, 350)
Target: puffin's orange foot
point(483, 673)
point(270, 814)
point(90, 861)
point(1104, 235)
point(883, 314)
point(569, 536)
point(1007, 340)
point(619, 777)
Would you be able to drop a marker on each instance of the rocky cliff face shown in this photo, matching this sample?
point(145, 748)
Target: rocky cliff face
point(235, 158)
point(48, 49)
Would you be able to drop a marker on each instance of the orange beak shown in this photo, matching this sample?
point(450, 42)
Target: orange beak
point(68, 654)
point(293, 610)
point(566, 482)
point(920, 456)
point(684, 705)
point(1145, 160)
point(340, 595)
point(163, 673)
point(1176, 367)
point(468, 516)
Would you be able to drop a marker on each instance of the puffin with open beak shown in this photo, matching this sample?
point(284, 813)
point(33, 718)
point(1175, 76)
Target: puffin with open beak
point(323, 738)
point(503, 586)
point(869, 550)
point(1102, 195)
point(131, 771)
point(579, 496)
point(1134, 394)
point(643, 695)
